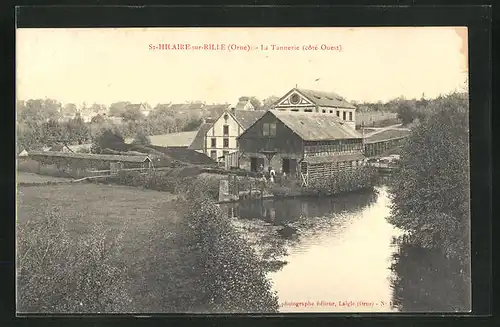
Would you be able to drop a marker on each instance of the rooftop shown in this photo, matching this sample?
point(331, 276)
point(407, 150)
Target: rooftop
point(199, 140)
point(247, 117)
point(329, 99)
point(316, 126)
point(387, 135)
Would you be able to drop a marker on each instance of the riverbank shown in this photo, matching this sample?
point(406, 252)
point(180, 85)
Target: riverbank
point(137, 248)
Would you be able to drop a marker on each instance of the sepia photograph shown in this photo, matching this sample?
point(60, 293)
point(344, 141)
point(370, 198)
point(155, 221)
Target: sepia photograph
point(242, 170)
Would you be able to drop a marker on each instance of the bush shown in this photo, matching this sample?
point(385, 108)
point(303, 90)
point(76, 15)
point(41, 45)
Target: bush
point(60, 273)
point(224, 270)
point(141, 139)
point(430, 193)
point(359, 178)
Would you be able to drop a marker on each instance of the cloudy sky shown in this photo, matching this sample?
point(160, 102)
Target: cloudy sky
point(109, 65)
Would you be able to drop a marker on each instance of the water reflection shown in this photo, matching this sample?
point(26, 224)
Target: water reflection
point(337, 255)
point(426, 281)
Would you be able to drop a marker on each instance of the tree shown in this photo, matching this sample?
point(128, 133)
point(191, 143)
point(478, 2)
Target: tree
point(132, 113)
point(116, 109)
point(52, 132)
point(70, 109)
point(430, 194)
point(255, 103)
point(224, 272)
point(77, 131)
point(141, 138)
point(98, 119)
point(39, 110)
point(407, 112)
point(97, 108)
point(270, 101)
point(107, 139)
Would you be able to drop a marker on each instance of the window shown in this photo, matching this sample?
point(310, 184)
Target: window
point(225, 153)
point(325, 110)
point(213, 154)
point(214, 142)
point(226, 130)
point(344, 115)
point(308, 110)
point(338, 113)
point(350, 115)
point(269, 129)
point(225, 143)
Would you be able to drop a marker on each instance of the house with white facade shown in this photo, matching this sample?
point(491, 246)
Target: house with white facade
point(303, 100)
point(218, 139)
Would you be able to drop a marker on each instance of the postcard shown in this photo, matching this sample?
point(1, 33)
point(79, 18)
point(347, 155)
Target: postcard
point(242, 170)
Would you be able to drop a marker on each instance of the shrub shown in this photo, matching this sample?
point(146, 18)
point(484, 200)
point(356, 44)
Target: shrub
point(61, 273)
point(430, 193)
point(224, 270)
point(141, 139)
point(359, 178)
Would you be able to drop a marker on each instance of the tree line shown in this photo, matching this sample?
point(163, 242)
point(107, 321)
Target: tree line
point(430, 193)
point(39, 122)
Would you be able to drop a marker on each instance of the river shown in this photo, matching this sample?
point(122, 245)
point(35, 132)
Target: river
point(340, 256)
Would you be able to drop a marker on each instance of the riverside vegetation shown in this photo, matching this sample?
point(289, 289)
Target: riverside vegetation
point(430, 192)
point(184, 257)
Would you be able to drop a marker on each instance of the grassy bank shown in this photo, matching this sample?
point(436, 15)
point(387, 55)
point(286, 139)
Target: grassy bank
point(133, 214)
point(109, 248)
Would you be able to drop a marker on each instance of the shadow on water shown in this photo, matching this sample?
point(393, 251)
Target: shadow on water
point(425, 280)
point(274, 225)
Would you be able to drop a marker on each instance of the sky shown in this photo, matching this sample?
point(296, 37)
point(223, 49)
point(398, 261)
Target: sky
point(103, 66)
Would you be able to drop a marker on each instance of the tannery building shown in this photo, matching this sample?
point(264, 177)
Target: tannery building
point(306, 145)
point(303, 100)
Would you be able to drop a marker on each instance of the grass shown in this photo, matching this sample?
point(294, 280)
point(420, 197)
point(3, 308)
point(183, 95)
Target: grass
point(31, 178)
point(171, 139)
point(140, 213)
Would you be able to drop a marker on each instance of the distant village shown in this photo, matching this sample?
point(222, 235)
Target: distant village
point(305, 134)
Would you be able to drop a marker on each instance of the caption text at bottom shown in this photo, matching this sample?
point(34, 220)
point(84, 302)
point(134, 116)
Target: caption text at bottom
point(339, 304)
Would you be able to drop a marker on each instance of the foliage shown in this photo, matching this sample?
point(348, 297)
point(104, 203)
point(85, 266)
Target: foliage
point(38, 110)
point(175, 180)
point(131, 113)
point(430, 193)
point(107, 139)
point(270, 101)
point(77, 132)
point(223, 268)
point(347, 181)
point(118, 108)
point(62, 274)
point(141, 139)
point(424, 280)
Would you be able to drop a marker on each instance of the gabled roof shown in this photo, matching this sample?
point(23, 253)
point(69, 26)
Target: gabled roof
point(199, 140)
point(387, 135)
point(247, 118)
point(322, 98)
point(315, 126)
point(85, 156)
